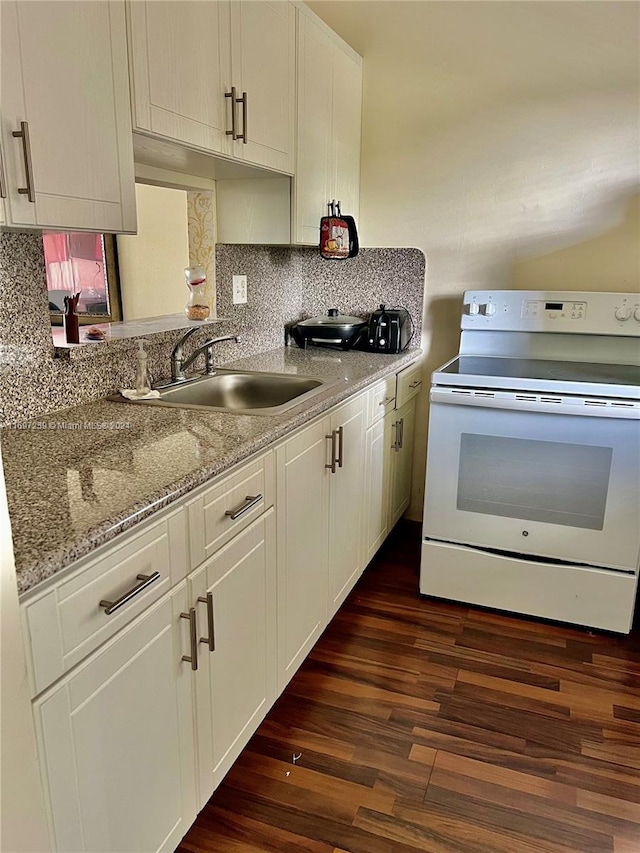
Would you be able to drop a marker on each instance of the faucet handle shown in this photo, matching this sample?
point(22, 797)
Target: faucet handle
point(210, 368)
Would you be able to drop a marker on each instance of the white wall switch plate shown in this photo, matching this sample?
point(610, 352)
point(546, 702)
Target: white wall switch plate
point(239, 289)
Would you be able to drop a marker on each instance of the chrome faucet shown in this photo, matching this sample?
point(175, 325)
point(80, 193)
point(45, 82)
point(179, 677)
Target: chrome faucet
point(179, 363)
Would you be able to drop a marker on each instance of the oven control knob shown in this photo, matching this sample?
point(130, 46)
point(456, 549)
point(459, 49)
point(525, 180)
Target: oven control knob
point(488, 309)
point(471, 308)
point(623, 312)
point(636, 314)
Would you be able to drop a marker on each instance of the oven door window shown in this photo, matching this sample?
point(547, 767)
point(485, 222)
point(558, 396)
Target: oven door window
point(545, 481)
point(555, 485)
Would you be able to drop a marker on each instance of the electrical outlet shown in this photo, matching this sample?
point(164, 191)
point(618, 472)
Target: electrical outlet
point(239, 289)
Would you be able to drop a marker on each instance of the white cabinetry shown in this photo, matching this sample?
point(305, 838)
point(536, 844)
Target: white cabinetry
point(116, 740)
point(232, 598)
point(346, 490)
point(376, 520)
point(234, 593)
point(329, 127)
point(389, 454)
point(399, 430)
point(320, 482)
point(302, 489)
point(66, 126)
point(155, 660)
point(179, 57)
point(216, 76)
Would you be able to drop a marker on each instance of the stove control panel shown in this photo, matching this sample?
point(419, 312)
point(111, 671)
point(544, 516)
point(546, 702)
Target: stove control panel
point(582, 313)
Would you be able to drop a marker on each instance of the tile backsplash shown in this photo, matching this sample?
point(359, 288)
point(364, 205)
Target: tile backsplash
point(284, 285)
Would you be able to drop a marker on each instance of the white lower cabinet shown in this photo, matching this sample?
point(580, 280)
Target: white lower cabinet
point(116, 740)
point(376, 521)
point(346, 500)
point(399, 432)
point(135, 735)
point(389, 456)
point(302, 490)
point(234, 594)
point(320, 484)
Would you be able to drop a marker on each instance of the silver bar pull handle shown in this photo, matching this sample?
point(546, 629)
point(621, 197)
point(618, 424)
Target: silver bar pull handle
point(3, 182)
point(250, 502)
point(146, 580)
point(332, 465)
point(243, 136)
point(29, 190)
point(193, 638)
point(386, 401)
point(396, 441)
point(340, 432)
point(401, 439)
point(233, 133)
point(211, 639)
point(415, 384)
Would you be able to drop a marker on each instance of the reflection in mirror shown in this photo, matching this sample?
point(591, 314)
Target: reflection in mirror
point(85, 264)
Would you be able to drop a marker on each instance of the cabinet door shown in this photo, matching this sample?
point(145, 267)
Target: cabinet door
point(376, 492)
point(346, 502)
point(347, 122)
point(117, 740)
point(311, 183)
point(401, 459)
point(236, 679)
point(263, 66)
point(302, 502)
point(329, 122)
point(179, 53)
point(64, 74)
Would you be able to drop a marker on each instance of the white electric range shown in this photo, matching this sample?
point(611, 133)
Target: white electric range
point(532, 498)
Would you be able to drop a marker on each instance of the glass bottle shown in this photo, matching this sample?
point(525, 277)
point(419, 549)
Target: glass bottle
point(197, 307)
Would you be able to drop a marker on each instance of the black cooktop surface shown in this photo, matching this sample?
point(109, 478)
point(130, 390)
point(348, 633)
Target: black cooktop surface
point(531, 368)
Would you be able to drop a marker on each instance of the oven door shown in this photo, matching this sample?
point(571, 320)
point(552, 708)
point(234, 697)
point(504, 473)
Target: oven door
point(545, 476)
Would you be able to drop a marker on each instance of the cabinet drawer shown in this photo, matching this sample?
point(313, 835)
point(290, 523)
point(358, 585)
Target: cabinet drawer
point(69, 621)
point(227, 507)
point(409, 384)
point(381, 399)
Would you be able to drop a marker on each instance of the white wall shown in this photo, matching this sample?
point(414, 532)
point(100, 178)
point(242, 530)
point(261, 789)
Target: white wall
point(152, 262)
point(23, 822)
point(502, 140)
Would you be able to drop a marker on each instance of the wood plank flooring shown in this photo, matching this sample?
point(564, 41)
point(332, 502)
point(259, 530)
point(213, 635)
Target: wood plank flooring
point(422, 725)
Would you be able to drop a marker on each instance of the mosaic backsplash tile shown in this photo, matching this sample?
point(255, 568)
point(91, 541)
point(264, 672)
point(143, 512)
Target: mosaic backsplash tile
point(284, 285)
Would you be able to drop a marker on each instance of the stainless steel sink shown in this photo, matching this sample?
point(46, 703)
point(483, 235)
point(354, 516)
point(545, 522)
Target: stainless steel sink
point(240, 391)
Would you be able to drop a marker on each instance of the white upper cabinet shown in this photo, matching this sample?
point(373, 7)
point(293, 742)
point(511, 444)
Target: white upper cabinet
point(216, 76)
point(263, 44)
point(180, 62)
point(328, 127)
point(344, 169)
point(66, 127)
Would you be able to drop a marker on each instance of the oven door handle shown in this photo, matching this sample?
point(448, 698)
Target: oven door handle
point(526, 401)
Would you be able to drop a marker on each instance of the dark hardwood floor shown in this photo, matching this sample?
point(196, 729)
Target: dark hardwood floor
point(422, 725)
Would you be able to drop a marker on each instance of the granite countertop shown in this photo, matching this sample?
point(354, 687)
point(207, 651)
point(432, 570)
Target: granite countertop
point(77, 478)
